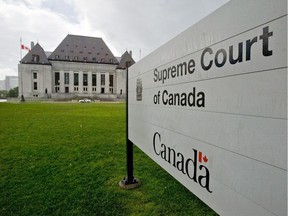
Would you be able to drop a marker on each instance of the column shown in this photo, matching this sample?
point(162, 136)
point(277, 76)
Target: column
point(71, 82)
point(62, 87)
point(106, 83)
point(80, 82)
point(89, 82)
point(98, 80)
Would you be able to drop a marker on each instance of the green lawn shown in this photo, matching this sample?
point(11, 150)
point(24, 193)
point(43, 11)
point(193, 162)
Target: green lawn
point(67, 159)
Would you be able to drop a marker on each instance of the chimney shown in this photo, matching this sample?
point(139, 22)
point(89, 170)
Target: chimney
point(130, 52)
point(32, 44)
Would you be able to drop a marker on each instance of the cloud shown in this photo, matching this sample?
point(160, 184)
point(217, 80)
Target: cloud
point(124, 25)
point(32, 23)
point(144, 25)
point(5, 71)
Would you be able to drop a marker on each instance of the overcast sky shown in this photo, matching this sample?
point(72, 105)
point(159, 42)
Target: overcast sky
point(123, 24)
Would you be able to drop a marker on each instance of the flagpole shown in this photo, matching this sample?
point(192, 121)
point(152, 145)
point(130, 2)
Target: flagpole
point(21, 74)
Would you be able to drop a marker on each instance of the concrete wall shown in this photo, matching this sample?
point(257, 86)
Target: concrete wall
point(89, 69)
point(46, 80)
point(26, 80)
point(121, 82)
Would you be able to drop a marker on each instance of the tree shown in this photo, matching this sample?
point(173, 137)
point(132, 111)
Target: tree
point(13, 92)
point(3, 94)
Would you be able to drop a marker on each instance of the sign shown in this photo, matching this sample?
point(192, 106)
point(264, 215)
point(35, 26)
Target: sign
point(210, 107)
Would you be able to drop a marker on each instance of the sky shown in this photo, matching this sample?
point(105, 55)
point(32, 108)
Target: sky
point(137, 25)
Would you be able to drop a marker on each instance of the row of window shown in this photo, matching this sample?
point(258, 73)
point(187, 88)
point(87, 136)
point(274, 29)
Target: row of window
point(85, 79)
point(76, 89)
point(85, 89)
point(84, 58)
point(76, 82)
point(36, 58)
point(72, 51)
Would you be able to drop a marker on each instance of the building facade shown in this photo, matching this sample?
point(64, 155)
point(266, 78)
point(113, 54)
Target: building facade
point(79, 67)
point(10, 82)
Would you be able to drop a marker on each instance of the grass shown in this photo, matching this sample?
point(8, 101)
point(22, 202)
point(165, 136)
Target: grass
point(67, 159)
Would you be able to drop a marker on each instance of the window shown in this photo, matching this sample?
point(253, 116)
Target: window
point(76, 79)
point(57, 78)
point(67, 57)
point(35, 58)
point(94, 79)
point(34, 75)
point(111, 83)
point(102, 79)
point(85, 58)
point(94, 59)
point(111, 80)
point(66, 78)
point(75, 57)
point(35, 86)
point(102, 90)
point(57, 56)
point(85, 79)
point(66, 89)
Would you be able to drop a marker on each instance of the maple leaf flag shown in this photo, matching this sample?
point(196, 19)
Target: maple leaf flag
point(25, 47)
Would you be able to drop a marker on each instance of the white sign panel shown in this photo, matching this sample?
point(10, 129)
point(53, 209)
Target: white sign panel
point(210, 107)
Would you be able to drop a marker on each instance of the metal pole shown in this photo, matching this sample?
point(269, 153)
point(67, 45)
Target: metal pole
point(21, 73)
point(129, 144)
point(128, 182)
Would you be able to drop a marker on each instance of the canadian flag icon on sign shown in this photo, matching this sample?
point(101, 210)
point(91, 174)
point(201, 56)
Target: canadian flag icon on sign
point(201, 158)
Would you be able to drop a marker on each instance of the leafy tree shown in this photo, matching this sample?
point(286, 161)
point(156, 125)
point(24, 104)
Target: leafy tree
point(3, 94)
point(13, 92)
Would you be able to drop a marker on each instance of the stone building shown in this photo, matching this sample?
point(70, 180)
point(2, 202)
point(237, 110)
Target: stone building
point(79, 67)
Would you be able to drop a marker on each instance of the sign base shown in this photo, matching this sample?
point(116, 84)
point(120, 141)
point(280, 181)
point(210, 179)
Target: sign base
point(125, 184)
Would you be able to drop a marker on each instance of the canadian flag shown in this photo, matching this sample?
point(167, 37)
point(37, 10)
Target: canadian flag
point(25, 47)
